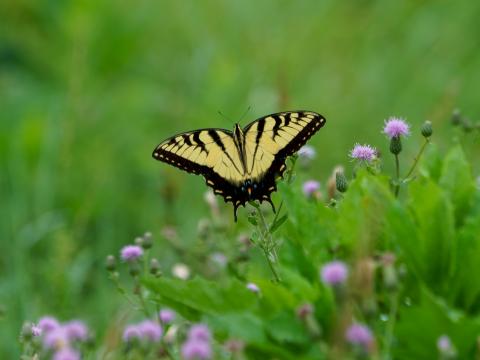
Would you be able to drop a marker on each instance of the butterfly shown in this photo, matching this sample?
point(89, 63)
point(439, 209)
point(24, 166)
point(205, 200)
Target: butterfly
point(242, 165)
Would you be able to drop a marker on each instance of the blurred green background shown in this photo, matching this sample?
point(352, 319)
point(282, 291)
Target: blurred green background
point(88, 88)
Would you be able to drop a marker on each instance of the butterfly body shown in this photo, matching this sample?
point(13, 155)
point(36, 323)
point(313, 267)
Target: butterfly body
point(242, 165)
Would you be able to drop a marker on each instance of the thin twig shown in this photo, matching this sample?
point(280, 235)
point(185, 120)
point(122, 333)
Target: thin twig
point(417, 158)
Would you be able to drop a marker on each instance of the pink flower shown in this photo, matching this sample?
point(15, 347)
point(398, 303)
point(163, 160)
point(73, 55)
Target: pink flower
point(166, 316)
point(131, 253)
point(76, 330)
point(36, 330)
point(334, 273)
point(358, 334)
point(150, 330)
point(363, 152)
point(131, 332)
point(396, 127)
point(66, 353)
point(310, 187)
point(307, 152)
point(48, 323)
point(199, 332)
point(253, 288)
point(56, 338)
point(196, 349)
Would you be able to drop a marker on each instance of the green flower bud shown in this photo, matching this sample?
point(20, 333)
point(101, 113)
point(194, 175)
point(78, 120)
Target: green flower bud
point(341, 182)
point(427, 130)
point(147, 240)
point(456, 117)
point(139, 241)
point(134, 268)
point(395, 145)
point(154, 267)
point(111, 263)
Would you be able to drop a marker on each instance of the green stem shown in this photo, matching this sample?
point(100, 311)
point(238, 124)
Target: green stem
point(417, 158)
point(391, 324)
point(138, 292)
point(397, 170)
point(267, 244)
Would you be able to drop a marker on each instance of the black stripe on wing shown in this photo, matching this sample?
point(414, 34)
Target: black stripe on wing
point(278, 167)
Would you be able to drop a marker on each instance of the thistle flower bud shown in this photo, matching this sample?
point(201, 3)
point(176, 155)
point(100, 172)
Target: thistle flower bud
point(395, 145)
point(134, 268)
point(139, 241)
point(155, 267)
point(456, 117)
point(111, 263)
point(341, 182)
point(147, 240)
point(427, 129)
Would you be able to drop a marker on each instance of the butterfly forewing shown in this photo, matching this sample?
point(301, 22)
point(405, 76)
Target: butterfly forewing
point(208, 152)
point(271, 139)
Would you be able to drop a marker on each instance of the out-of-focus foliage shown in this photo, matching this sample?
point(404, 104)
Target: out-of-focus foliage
point(88, 88)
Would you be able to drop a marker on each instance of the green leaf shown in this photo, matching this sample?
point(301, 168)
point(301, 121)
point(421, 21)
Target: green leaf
point(362, 213)
point(278, 223)
point(202, 295)
point(457, 180)
point(420, 326)
point(434, 220)
point(286, 328)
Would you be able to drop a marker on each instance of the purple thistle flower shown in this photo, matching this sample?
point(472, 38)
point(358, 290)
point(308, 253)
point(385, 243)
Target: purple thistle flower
point(334, 273)
point(444, 344)
point(131, 332)
point(363, 152)
point(253, 287)
point(76, 330)
point(66, 353)
point(36, 330)
point(56, 338)
point(131, 253)
point(199, 332)
point(307, 152)
point(310, 187)
point(358, 334)
point(196, 349)
point(166, 316)
point(150, 330)
point(396, 127)
point(48, 323)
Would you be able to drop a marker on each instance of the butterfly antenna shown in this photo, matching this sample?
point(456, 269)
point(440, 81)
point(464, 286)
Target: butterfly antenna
point(245, 113)
point(223, 115)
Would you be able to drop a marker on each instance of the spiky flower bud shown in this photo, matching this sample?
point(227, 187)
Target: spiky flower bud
point(134, 268)
point(111, 263)
point(456, 117)
point(427, 130)
point(341, 182)
point(139, 241)
point(396, 145)
point(154, 267)
point(147, 240)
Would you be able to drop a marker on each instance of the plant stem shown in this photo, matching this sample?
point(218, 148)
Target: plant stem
point(397, 170)
point(267, 244)
point(417, 158)
point(391, 324)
